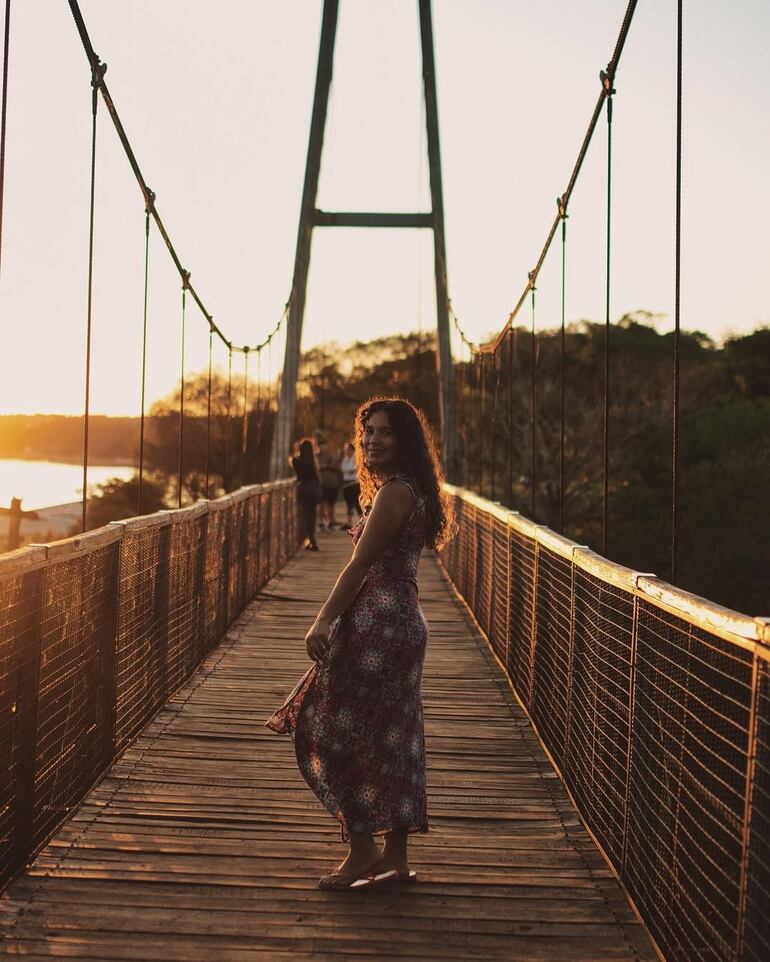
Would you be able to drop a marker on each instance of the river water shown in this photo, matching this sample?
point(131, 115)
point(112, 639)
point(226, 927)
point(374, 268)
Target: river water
point(43, 483)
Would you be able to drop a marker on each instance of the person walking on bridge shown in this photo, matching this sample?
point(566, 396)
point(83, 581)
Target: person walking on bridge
point(356, 716)
point(350, 486)
point(308, 489)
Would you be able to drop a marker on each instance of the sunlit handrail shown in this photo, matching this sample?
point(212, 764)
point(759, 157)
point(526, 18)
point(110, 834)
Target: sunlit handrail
point(653, 704)
point(99, 630)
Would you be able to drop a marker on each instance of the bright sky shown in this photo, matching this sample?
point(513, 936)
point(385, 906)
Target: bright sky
point(216, 99)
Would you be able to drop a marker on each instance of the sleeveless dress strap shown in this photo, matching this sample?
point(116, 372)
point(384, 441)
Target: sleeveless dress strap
point(405, 480)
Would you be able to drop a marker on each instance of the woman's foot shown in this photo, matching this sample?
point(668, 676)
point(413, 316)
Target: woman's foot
point(356, 864)
point(398, 862)
point(394, 854)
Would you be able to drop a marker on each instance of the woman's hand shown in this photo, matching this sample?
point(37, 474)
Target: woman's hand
point(317, 639)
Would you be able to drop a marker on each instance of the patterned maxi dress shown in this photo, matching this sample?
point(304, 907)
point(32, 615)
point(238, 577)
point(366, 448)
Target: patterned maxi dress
point(356, 716)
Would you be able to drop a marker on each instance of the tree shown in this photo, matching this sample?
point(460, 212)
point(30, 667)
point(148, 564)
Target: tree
point(115, 499)
point(228, 468)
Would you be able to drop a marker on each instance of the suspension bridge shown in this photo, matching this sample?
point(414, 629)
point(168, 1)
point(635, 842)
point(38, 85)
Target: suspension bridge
point(598, 738)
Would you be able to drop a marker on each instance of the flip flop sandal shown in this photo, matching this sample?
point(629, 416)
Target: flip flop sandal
point(370, 879)
point(355, 881)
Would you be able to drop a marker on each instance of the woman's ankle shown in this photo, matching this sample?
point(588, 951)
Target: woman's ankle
point(361, 842)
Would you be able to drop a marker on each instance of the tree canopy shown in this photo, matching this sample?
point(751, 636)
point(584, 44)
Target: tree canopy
point(724, 470)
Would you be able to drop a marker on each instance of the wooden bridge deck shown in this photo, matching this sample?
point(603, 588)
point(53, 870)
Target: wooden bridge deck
point(204, 842)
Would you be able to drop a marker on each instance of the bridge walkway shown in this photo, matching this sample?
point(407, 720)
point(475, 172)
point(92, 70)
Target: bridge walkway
point(204, 842)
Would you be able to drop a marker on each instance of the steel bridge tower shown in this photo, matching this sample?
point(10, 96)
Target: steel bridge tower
point(311, 216)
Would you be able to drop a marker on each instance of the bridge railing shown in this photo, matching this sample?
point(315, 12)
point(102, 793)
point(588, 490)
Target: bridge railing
point(654, 705)
point(97, 631)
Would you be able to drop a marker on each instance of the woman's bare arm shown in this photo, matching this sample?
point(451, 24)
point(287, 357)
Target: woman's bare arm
point(392, 505)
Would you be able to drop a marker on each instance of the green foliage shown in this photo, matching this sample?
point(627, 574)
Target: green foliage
point(230, 463)
point(724, 431)
point(333, 381)
point(724, 449)
point(116, 499)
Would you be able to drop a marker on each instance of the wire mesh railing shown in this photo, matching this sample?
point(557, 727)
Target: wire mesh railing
point(97, 631)
point(654, 705)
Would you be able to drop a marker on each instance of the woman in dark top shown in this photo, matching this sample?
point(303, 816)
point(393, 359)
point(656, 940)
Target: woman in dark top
point(308, 489)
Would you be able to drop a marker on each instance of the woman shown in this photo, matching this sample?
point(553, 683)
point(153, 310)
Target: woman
point(329, 471)
point(356, 717)
point(350, 486)
point(308, 489)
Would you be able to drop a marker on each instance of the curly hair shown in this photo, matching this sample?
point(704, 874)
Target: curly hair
point(418, 459)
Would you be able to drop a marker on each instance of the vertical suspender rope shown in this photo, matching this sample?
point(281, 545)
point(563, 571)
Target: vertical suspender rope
point(147, 210)
point(509, 499)
point(495, 392)
point(208, 407)
point(245, 426)
point(4, 114)
point(185, 284)
point(677, 279)
point(418, 237)
point(227, 427)
point(260, 413)
point(532, 405)
point(97, 72)
point(270, 379)
point(473, 403)
point(607, 81)
point(563, 213)
point(481, 423)
point(461, 381)
point(468, 383)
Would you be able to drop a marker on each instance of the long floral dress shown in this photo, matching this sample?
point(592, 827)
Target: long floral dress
point(356, 716)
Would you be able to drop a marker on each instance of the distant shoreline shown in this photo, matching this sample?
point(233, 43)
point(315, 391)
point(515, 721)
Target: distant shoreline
point(112, 441)
point(70, 459)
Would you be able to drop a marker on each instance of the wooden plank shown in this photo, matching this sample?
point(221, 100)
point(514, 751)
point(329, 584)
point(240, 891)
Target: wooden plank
point(203, 841)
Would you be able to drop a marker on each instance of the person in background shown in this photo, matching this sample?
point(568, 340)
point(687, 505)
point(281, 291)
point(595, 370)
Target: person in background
point(350, 486)
point(331, 478)
point(308, 489)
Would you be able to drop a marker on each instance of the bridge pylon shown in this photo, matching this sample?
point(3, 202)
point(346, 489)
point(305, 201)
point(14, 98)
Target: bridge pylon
point(311, 216)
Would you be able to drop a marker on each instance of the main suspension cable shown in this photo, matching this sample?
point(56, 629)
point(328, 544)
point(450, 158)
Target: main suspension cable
point(123, 137)
point(612, 67)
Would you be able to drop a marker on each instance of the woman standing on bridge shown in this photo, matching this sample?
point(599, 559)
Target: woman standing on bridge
point(359, 738)
point(308, 489)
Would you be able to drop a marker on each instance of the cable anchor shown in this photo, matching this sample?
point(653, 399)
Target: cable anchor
point(607, 81)
point(98, 70)
point(149, 201)
point(185, 280)
point(561, 204)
